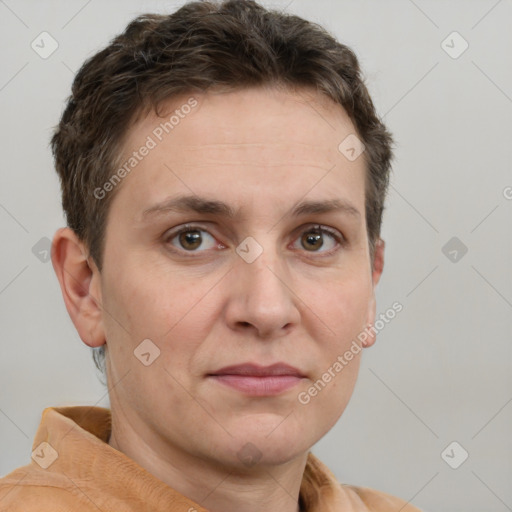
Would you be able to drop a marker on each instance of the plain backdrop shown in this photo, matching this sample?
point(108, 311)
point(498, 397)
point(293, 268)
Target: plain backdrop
point(440, 372)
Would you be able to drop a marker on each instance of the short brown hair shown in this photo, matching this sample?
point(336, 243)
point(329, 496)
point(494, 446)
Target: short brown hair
point(232, 44)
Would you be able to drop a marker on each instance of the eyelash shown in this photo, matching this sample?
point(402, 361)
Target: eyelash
point(340, 239)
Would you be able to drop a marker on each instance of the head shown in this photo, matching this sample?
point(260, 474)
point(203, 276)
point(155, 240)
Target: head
point(234, 121)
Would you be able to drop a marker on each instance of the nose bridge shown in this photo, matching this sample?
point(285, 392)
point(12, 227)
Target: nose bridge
point(262, 268)
point(263, 297)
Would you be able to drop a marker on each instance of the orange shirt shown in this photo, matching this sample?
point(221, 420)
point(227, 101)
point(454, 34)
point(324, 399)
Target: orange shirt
point(73, 468)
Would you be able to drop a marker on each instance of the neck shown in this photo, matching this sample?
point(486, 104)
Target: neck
point(214, 486)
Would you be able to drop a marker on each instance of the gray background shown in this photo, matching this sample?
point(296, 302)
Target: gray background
point(441, 370)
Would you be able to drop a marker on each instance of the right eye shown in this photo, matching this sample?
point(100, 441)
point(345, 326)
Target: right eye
point(189, 238)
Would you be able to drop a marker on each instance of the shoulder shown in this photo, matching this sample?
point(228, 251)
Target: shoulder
point(378, 501)
point(23, 491)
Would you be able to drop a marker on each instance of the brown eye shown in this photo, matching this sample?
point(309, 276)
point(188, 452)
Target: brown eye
point(191, 238)
point(319, 237)
point(312, 241)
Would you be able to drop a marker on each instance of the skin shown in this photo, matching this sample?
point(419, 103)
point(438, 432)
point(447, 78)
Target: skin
point(261, 151)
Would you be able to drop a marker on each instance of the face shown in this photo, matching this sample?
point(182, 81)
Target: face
point(247, 291)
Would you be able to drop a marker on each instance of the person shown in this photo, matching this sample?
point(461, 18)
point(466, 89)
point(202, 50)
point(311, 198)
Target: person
point(223, 175)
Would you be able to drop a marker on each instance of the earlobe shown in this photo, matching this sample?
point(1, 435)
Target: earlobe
point(79, 284)
point(377, 268)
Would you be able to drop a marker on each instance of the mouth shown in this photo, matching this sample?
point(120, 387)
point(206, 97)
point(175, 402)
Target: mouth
point(256, 380)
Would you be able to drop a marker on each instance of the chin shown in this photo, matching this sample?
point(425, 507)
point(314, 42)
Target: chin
point(270, 440)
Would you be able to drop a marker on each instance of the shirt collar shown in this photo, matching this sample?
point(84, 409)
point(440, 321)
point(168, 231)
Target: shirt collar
point(79, 435)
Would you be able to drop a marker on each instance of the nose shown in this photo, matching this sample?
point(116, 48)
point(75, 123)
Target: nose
point(261, 297)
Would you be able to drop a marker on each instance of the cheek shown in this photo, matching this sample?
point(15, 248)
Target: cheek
point(172, 310)
point(148, 299)
point(166, 312)
point(342, 305)
point(321, 404)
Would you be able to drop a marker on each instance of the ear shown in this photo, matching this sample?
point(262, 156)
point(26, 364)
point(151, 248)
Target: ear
point(80, 285)
point(377, 268)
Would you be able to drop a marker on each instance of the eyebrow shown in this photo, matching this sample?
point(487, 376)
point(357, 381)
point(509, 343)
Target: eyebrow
point(202, 205)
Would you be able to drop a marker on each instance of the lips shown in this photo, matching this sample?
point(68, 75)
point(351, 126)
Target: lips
point(256, 380)
point(250, 369)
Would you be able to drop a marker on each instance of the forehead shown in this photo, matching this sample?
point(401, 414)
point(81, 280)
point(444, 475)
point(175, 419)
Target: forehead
point(262, 141)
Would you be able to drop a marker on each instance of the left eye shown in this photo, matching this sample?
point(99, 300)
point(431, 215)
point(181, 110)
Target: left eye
point(313, 239)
